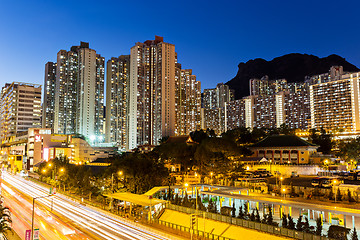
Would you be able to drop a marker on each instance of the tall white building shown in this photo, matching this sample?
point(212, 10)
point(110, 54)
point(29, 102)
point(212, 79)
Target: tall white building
point(20, 108)
point(117, 80)
point(335, 101)
point(151, 92)
point(79, 92)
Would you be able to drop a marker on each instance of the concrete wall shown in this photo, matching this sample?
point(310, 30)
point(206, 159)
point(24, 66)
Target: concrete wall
point(287, 169)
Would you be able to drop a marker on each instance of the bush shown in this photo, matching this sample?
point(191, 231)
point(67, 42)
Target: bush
point(318, 230)
point(291, 223)
point(338, 232)
point(284, 221)
point(350, 198)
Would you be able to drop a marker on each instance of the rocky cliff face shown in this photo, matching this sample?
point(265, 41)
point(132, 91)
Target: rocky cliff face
point(293, 67)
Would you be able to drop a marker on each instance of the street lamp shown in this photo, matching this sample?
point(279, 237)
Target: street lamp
point(211, 174)
point(284, 190)
point(120, 173)
point(333, 186)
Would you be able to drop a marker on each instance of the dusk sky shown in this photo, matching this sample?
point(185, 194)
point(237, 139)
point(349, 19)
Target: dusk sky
point(211, 37)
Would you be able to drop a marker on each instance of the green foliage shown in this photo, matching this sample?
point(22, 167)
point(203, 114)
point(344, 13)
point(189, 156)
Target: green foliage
point(306, 226)
point(199, 135)
point(257, 215)
point(291, 223)
point(141, 171)
point(319, 227)
point(212, 206)
point(246, 211)
point(338, 232)
point(177, 200)
point(284, 221)
point(350, 197)
point(233, 210)
point(201, 206)
point(269, 217)
point(331, 195)
point(349, 150)
point(241, 213)
point(322, 139)
point(354, 235)
point(252, 215)
point(299, 225)
point(338, 195)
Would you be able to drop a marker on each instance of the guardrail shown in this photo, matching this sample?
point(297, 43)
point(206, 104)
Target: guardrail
point(280, 231)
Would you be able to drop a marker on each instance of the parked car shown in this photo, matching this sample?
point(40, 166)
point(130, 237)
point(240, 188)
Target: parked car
point(294, 174)
point(325, 182)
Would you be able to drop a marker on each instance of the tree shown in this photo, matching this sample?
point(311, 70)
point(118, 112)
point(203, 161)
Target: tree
point(200, 204)
point(185, 201)
point(354, 235)
point(338, 195)
point(284, 222)
point(306, 225)
point(269, 217)
point(177, 200)
point(349, 150)
point(331, 194)
point(319, 227)
point(350, 198)
point(322, 139)
point(291, 223)
point(299, 225)
point(338, 232)
point(257, 215)
point(233, 210)
point(246, 211)
point(252, 215)
point(241, 213)
point(212, 206)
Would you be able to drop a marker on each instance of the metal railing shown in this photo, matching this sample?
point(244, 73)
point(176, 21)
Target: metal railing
point(196, 232)
point(280, 231)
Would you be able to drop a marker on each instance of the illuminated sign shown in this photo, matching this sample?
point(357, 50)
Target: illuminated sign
point(46, 154)
point(37, 138)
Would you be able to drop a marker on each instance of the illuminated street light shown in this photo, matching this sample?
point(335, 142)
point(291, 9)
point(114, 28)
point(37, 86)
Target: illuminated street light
point(49, 164)
point(186, 185)
point(44, 170)
point(61, 169)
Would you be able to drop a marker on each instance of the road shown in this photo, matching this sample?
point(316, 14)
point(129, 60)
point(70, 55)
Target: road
point(305, 181)
point(70, 220)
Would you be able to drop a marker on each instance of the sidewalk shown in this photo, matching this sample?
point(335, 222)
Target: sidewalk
point(215, 227)
point(12, 235)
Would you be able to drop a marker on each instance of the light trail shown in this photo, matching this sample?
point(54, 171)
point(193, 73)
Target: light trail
point(102, 225)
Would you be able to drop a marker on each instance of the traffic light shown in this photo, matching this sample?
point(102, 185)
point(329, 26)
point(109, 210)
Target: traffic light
point(193, 220)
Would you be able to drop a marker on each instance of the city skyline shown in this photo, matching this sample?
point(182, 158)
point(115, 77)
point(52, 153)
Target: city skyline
point(236, 38)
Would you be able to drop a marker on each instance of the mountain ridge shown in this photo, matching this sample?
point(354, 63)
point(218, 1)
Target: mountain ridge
point(293, 67)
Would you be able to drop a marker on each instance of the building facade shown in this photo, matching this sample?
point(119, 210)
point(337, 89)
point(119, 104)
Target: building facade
point(20, 108)
point(117, 82)
point(187, 102)
point(334, 101)
point(151, 92)
point(49, 95)
point(79, 92)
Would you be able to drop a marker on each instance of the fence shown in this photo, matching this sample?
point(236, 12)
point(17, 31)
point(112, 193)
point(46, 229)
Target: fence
point(198, 233)
point(250, 224)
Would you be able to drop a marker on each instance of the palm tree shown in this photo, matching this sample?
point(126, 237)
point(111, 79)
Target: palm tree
point(5, 220)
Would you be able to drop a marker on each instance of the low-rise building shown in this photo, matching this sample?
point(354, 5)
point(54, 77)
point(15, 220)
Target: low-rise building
point(284, 149)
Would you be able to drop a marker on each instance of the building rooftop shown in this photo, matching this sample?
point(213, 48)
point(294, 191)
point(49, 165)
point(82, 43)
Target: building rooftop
point(282, 141)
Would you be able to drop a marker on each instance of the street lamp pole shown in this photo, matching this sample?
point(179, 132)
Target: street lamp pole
point(33, 215)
